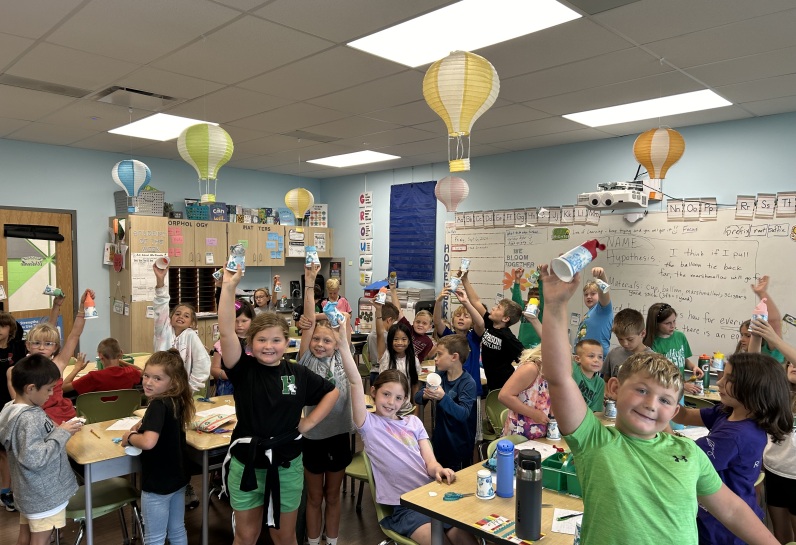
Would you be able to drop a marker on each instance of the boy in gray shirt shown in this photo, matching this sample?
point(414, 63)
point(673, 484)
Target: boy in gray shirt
point(629, 330)
point(40, 471)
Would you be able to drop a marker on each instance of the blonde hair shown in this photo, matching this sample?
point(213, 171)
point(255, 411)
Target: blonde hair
point(109, 348)
point(423, 313)
point(532, 355)
point(461, 309)
point(267, 320)
point(591, 286)
point(333, 284)
point(657, 367)
point(46, 332)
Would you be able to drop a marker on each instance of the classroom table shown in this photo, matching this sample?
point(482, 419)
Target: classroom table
point(138, 361)
point(464, 513)
point(101, 459)
point(711, 394)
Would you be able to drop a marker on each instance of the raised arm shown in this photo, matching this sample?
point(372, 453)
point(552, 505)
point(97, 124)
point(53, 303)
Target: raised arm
point(475, 301)
point(80, 364)
point(381, 342)
point(774, 314)
point(478, 319)
point(160, 305)
point(309, 307)
point(762, 329)
point(358, 408)
point(567, 403)
point(395, 301)
point(230, 345)
point(439, 325)
point(70, 344)
point(604, 298)
point(56, 309)
point(516, 289)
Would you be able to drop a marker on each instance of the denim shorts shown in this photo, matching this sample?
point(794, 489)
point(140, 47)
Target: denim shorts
point(406, 521)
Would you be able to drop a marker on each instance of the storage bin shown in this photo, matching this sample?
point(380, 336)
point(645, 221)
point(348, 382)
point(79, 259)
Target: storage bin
point(552, 476)
point(573, 484)
point(147, 203)
point(198, 212)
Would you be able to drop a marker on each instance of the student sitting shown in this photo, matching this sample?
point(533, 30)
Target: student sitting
point(389, 315)
point(462, 324)
point(586, 372)
point(454, 433)
point(114, 375)
point(629, 330)
point(420, 327)
point(639, 485)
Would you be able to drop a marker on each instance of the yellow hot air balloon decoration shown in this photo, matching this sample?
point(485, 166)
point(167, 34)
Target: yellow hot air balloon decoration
point(460, 88)
point(299, 200)
point(657, 150)
point(206, 148)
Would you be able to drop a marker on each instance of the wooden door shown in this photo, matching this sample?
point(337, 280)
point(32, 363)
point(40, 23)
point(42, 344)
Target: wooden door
point(210, 243)
point(246, 234)
point(271, 245)
point(181, 243)
point(27, 265)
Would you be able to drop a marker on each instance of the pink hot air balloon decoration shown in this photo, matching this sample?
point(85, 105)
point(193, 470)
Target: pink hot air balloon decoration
point(451, 191)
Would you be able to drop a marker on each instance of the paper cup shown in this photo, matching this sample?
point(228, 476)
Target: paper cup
point(130, 450)
point(162, 263)
point(433, 381)
point(571, 263)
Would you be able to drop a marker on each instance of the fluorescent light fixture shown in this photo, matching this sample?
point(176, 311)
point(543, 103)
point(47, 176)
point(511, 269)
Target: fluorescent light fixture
point(649, 109)
point(158, 127)
point(464, 26)
point(353, 159)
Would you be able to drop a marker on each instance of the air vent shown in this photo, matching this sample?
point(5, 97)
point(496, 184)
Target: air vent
point(136, 98)
point(304, 135)
point(43, 86)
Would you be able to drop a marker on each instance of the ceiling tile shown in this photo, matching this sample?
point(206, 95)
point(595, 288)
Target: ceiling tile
point(8, 125)
point(161, 82)
point(344, 20)
point(11, 47)
point(572, 41)
point(394, 137)
point(771, 106)
point(114, 143)
point(651, 20)
point(523, 130)
point(164, 150)
point(761, 89)
point(556, 139)
point(43, 133)
point(747, 37)
point(240, 135)
point(228, 104)
point(289, 118)
point(121, 29)
point(321, 74)
point(406, 114)
point(243, 5)
point(19, 103)
point(716, 115)
point(56, 64)
point(245, 48)
point(32, 18)
point(647, 88)
point(507, 115)
point(751, 67)
point(350, 127)
point(615, 67)
point(93, 115)
point(376, 95)
point(420, 147)
point(273, 144)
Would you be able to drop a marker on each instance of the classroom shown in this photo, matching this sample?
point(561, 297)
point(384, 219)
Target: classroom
point(281, 78)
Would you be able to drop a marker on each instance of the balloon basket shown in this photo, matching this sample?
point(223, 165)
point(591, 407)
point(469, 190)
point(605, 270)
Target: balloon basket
point(147, 203)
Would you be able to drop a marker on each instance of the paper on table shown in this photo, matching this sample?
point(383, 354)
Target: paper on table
point(564, 526)
point(694, 433)
point(124, 423)
point(224, 410)
point(545, 450)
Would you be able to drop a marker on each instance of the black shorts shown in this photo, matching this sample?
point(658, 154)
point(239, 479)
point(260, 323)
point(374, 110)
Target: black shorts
point(780, 492)
point(330, 454)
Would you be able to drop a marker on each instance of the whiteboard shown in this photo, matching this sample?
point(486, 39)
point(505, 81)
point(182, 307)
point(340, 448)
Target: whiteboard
point(702, 269)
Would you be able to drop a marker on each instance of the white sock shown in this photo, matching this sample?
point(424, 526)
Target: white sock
point(331, 540)
point(315, 541)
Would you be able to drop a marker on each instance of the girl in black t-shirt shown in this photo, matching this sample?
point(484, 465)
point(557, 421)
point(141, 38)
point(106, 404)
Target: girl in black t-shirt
point(161, 437)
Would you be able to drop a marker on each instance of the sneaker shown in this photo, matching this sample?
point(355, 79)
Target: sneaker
point(8, 501)
point(191, 500)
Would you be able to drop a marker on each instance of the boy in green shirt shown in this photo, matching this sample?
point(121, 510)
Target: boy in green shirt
point(586, 372)
point(639, 485)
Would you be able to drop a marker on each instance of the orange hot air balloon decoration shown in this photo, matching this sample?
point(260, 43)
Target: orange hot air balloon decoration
point(657, 150)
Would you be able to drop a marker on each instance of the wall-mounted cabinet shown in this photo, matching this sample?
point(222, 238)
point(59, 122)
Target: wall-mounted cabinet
point(265, 243)
point(197, 243)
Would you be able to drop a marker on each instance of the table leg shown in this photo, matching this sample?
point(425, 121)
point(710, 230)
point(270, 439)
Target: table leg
point(89, 520)
point(205, 500)
point(437, 534)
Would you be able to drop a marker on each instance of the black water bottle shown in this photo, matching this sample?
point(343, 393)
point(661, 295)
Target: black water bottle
point(528, 515)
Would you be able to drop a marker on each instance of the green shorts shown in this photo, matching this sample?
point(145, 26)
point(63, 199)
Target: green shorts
point(291, 484)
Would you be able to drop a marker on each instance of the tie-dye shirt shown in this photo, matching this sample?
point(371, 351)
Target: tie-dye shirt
point(393, 447)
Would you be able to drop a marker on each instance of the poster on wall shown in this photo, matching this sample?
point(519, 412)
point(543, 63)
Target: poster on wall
point(295, 243)
point(31, 266)
point(366, 199)
point(143, 282)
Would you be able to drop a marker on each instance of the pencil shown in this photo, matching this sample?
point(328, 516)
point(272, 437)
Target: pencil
point(567, 517)
point(95, 433)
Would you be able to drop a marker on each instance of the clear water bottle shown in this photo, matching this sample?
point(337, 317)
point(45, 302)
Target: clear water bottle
point(528, 513)
point(505, 468)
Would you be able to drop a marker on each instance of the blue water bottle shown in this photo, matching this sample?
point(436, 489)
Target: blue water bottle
point(505, 468)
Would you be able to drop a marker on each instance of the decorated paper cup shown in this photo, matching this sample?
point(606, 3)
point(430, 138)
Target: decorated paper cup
point(433, 381)
point(162, 263)
point(130, 450)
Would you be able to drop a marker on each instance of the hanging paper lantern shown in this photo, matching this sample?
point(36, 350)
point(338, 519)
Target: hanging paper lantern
point(450, 191)
point(206, 148)
point(132, 176)
point(657, 150)
point(460, 88)
point(299, 200)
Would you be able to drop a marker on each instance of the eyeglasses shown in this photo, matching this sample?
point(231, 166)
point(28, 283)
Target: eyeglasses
point(664, 308)
point(46, 344)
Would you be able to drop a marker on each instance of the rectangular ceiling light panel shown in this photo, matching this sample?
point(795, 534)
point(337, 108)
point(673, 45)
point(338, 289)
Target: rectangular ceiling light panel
point(160, 127)
point(463, 26)
point(650, 109)
point(353, 159)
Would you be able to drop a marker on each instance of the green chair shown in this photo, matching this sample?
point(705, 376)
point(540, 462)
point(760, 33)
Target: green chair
point(364, 370)
point(504, 415)
point(107, 405)
point(491, 427)
point(516, 439)
point(356, 470)
point(383, 510)
point(106, 497)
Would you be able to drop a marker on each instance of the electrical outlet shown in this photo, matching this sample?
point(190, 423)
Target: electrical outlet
point(350, 263)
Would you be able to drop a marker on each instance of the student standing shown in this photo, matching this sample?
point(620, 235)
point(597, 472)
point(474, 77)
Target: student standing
point(397, 352)
point(40, 470)
point(588, 362)
point(663, 337)
point(629, 330)
point(389, 315)
point(423, 344)
point(462, 324)
point(161, 437)
point(454, 433)
point(528, 336)
point(596, 323)
point(652, 495)
point(11, 351)
point(244, 314)
point(263, 467)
